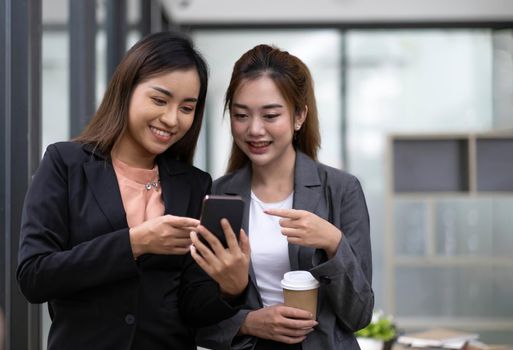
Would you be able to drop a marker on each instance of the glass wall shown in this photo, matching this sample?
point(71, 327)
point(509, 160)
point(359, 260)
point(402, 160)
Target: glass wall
point(430, 82)
point(55, 73)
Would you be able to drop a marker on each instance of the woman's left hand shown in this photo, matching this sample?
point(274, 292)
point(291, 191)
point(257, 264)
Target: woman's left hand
point(307, 229)
point(227, 266)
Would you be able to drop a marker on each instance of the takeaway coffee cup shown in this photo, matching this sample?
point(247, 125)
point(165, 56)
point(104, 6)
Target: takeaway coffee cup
point(300, 291)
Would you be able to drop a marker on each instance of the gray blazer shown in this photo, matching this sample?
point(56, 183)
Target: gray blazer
point(346, 299)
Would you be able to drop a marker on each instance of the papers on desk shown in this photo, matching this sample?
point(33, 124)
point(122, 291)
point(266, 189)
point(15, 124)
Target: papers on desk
point(438, 338)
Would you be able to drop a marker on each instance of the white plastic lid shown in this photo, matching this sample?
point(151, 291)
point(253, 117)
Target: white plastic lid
point(299, 280)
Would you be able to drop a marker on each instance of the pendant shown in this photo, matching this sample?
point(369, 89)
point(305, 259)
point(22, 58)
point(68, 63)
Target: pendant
point(153, 183)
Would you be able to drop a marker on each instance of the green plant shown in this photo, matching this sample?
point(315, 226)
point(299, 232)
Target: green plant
point(381, 328)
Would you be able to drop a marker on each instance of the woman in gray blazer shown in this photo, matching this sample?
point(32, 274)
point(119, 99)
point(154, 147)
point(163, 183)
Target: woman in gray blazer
point(300, 214)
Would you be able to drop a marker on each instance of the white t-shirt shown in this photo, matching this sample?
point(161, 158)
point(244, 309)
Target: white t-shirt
point(269, 248)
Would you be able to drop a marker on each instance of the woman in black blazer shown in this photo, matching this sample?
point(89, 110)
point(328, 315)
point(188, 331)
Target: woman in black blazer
point(111, 258)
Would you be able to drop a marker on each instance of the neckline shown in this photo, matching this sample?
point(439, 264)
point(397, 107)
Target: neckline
point(138, 175)
point(274, 204)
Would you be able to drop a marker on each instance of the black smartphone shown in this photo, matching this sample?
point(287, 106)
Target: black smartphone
point(217, 207)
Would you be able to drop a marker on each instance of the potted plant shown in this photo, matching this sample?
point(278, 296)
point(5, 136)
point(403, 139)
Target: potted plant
point(380, 334)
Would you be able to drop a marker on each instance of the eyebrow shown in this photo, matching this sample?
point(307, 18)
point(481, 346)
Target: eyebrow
point(170, 94)
point(269, 106)
point(161, 90)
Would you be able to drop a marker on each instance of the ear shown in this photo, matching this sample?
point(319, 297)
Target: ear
point(300, 118)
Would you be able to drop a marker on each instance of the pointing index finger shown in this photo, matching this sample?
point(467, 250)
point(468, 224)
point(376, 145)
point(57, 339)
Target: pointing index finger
point(284, 213)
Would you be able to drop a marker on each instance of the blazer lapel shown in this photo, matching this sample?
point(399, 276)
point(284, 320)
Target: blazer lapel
point(307, 193)
point(104, 186)
point(175, 188)
point(240, 185)
point(175, 194)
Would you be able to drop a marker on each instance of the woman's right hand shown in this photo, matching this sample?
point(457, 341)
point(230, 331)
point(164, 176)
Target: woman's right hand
point(279, 323)
point(165, 234)
point(229, 267)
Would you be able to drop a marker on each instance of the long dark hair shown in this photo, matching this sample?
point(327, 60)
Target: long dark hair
point(295, 83)
point(156, 53)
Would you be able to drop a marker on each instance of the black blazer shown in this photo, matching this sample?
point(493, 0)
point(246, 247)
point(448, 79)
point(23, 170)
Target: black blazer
point(75, 254)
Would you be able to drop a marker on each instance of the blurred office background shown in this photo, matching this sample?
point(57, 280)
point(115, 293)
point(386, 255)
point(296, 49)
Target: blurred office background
point(381, 69)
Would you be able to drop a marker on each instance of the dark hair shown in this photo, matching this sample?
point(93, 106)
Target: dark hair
point(156, 53)
point(295, 83)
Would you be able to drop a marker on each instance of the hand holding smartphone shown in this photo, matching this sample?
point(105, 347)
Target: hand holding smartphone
point(228, 267)
point(217, 207)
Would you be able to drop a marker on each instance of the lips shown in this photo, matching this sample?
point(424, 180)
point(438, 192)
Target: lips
point(259, 144)
point(259, 147)
point(161, 134)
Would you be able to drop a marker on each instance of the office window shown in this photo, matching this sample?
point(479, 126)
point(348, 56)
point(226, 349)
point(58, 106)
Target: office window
point(440, 260)
point(55, 73)
point(55, 80)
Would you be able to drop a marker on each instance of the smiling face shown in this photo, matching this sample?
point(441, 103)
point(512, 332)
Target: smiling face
point(262, 123)
point(161, 111)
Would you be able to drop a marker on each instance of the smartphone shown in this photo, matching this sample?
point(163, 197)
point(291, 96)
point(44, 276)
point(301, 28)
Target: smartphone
point(217, 207)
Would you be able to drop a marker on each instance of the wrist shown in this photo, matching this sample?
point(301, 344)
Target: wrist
point(136, 242)
point(244, 330)
point(332, 248)
point(233, 292)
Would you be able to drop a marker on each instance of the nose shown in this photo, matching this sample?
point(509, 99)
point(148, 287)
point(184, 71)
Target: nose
point(256, 126)
point(170, 118)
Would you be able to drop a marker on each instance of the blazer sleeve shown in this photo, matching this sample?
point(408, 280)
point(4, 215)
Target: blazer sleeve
point(48, 267)
point(223, 335)
point(347, 276)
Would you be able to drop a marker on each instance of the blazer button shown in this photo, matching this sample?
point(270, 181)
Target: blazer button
point(129, 319)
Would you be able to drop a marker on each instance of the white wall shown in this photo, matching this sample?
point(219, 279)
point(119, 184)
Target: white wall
point(340, 11)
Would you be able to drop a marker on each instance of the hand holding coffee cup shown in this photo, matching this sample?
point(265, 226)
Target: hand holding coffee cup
point(300, 291)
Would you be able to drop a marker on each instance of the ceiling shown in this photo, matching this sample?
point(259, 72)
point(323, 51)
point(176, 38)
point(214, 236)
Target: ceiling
point(337, 11)
point(201, 12)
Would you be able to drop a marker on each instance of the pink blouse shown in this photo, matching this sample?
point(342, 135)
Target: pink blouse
point(140, 202)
